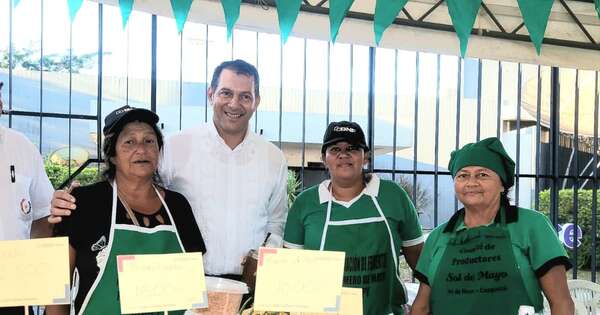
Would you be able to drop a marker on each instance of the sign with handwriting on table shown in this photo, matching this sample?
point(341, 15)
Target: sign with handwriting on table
point(292, 280)
point(34, 272)
point(161, 282)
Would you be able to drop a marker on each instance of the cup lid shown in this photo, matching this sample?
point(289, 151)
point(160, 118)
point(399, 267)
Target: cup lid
point(214, 284)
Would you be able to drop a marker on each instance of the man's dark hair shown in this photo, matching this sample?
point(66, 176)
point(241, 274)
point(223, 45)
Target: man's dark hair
point(239, 67)
point(1, 85)
point(109, 150)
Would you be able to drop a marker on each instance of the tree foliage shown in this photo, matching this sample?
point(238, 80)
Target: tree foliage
point(29, 59)
point(584, 220)
point(59, 173)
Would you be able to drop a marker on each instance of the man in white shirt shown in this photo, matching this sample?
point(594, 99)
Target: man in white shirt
point(234, 179)
point(25, 191)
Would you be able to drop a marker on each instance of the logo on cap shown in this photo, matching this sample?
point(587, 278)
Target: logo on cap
point(344, 129)
point(124, 110)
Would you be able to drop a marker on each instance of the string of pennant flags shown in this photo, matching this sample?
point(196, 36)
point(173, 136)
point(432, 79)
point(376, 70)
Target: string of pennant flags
point(462, 13)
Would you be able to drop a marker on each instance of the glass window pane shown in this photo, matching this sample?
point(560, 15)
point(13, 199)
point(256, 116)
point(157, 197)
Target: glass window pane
point(84, 93)
point(195, 75)
point(340, 75)
point(292, 95)
point(168, 73)
point(4, 35)
point(382, 152)
point(316, 99)
point(29, 126)
point(426, 119)
point(447, 116)
point(55, 59)
point(405, 125)
point(26, 55)
point(269, 67)
point(360, 85)
point(126, 64)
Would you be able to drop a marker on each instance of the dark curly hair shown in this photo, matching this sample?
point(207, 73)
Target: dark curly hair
point(109, 150)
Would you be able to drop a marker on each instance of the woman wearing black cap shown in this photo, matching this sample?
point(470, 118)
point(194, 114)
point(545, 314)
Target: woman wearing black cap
point(127, 213)
point(370, 219)
point(490, 257)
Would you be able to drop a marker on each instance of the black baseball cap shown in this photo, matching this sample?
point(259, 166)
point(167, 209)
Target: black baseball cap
point(122, 115)
point(346, 131)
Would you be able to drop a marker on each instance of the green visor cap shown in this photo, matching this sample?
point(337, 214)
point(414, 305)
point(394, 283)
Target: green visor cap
point(488, 153)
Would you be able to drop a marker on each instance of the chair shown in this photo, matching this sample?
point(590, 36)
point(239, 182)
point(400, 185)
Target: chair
point(580, 308)
point(586, 295)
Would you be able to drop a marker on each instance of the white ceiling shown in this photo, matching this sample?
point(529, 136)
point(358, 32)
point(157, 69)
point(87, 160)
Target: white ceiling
point(316, 26)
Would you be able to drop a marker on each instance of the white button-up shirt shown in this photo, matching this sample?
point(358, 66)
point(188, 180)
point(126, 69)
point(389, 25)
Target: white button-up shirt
point(238, 196)
point(25, 191)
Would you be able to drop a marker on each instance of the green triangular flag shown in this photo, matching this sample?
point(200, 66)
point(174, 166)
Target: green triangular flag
point(15, 3)
point(181, 8)
point(598, 7)
point(231, 8)
point(385, 13)
point(463, 14)
point(126, 8)
point(287, 12)
point(535, 16)
point(337, 12)
point(74, 6)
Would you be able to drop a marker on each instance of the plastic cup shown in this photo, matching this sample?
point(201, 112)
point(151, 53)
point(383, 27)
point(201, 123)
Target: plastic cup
point(526, 310)
point(224, 296)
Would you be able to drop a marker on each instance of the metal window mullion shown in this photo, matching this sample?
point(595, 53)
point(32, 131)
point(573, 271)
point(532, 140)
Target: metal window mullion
point(371, 107)
point(576, 167)
point(595, 182)
point(280, 92)
point(41, 69)
point(70, 89)
point(206, 74)
point(181, 80)
point(231, 41)
point(153, 45)
point(479, 78)
point(127, 51)
point(303, 118)
point(416, 131)
point(257, 67)
point(555, 135)
point(499, 102)
point(395, 114)
point(99, 84)
point(458, 103)
point(350, 100)
point(538, 133)
point(328, 97)
point(10, 60)
point(437, 144)
point(518, 127)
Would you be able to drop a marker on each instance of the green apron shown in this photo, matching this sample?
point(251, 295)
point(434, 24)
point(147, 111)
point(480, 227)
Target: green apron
point(125, 239)
point(368, 244)
point(478, 274)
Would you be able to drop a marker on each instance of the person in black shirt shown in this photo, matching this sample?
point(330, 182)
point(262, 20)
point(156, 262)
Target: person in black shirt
point(129, 213)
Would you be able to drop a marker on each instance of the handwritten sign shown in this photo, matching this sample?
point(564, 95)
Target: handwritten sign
point(165, 282)
point(34, 272)
point(293, 280)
